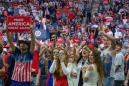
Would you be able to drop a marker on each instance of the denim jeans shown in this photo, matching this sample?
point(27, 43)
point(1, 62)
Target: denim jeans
point(108, 81)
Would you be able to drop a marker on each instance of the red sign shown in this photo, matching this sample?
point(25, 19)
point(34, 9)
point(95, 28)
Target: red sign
point(18, 23)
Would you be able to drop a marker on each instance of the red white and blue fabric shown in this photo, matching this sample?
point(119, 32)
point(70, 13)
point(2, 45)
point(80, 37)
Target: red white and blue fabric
point(22, 72)
point(22, 68)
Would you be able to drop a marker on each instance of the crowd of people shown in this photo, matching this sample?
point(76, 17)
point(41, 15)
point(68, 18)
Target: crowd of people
point(69, 44)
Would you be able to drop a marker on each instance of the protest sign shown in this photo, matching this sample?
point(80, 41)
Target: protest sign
point(18, 23)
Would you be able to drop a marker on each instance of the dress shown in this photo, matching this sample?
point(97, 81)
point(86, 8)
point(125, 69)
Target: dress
point(92, 77)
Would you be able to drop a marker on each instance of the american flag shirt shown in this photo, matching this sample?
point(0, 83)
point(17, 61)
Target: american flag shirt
point(22, 68)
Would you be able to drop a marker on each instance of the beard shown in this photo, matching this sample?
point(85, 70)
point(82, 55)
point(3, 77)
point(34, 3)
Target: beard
point(23, 49)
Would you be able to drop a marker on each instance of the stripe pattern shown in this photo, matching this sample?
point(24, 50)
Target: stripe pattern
point(22, 72)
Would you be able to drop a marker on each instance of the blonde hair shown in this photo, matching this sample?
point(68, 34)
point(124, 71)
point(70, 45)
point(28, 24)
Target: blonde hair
point(58, 72)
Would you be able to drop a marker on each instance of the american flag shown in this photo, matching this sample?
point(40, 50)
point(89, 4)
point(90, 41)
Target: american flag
point(22, 72)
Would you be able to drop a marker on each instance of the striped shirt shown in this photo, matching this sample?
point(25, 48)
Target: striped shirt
point(22, 72)
point(22, 68)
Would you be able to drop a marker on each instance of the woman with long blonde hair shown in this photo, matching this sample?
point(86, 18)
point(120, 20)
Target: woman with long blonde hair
point(58, 67)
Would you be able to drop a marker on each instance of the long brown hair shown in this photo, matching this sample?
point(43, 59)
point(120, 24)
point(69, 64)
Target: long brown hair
point(98, 63)
point(48, 53)
point(72, 51)
point(58, 72)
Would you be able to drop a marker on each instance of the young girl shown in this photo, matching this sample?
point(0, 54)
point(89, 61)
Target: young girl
point(58, 67)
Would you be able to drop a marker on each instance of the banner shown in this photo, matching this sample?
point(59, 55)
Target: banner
point(18, 23)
